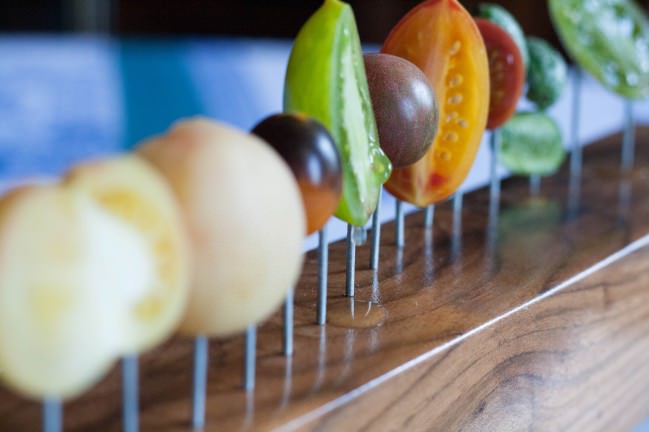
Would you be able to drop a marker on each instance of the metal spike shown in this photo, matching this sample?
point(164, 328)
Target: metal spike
point(399, 224)
point(250, 358)
point(494, 190)
point(130, 393)
point(535, 185)
point(628, 142)
point(288, 324)
point(494, 186)
point(323, 270)
point(376, 235)
point(351, 262)
point(457, 213)
point(52, 415)
point(250, 411)
point(429, 216)
point(576, 150)
point(201, 350)
point(288, 382)
point(456, 244)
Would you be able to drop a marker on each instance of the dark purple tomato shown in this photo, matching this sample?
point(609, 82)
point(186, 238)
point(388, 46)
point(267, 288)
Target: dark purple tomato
point(404, 105)
point(311, 153)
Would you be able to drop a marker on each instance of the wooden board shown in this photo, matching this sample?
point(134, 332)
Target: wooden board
point(534, 318)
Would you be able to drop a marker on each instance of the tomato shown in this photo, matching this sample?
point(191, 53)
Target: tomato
point(506, 72)
point(441, 38)
point(506, 21)
point(401, 95)
point(311, 153)
point(325, 79)
point(531, 144)
point(547, 73)
point(609, 39)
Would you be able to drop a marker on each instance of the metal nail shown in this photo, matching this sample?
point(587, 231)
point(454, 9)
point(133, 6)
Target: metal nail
point(200, 381)
point(323, 270)
point(130, 393)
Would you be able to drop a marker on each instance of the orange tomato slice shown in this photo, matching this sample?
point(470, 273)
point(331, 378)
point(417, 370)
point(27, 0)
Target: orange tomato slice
point(442, 39)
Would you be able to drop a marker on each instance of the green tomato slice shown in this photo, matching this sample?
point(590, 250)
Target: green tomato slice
point(531, 144)
point(609, 39)
point(326, 80)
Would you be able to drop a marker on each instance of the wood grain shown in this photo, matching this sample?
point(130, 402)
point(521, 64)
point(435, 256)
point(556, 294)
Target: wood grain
point(575, 361)
point(536, 318)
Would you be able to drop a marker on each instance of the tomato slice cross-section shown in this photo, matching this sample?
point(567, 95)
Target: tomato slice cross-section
point(609, 39)
point(506, 72)
point(442, 39)
point(325, 79)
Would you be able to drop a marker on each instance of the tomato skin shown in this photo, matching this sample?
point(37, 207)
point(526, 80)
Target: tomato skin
point(311, 153)
point(442, 39)
point(401, 95)
point(506, 72)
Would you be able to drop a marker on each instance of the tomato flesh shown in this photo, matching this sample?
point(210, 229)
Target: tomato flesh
point(441, 38)
point(506, 72)
point(326, 80)
point(609, 39)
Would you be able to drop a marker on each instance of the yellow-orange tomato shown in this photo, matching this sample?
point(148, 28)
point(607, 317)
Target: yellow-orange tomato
point(441, 38)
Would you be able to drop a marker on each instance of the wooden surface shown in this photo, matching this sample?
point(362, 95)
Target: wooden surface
point(536, 318)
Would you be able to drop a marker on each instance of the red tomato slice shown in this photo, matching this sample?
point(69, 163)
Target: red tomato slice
point(441, 38)
point(506, 72)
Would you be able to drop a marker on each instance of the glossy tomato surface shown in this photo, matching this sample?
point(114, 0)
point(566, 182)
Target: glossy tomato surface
point(441, 38)
point(401, 96)
point(506, 72)
point(311, 153)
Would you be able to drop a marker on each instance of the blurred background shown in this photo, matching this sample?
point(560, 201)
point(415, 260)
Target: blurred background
point(276, 19)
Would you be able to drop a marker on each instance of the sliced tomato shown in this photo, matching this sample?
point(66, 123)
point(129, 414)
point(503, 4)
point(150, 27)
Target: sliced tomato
point(609, 39)
point(441, 38)
point(506, 72)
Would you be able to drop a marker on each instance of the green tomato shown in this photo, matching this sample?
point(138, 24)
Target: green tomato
point(547, 74)
point(609, 39)
point(326, 80)
point(503, 19)
point(531, 144)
